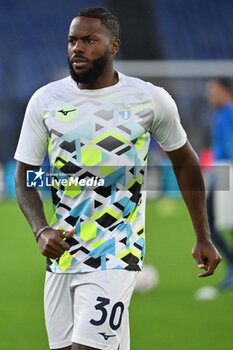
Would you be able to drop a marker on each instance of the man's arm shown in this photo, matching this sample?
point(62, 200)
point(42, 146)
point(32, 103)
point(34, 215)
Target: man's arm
point(31, 204)
point(187, 170)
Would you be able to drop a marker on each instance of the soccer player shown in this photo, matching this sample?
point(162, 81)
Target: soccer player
point(97, 123)
point(220, 203)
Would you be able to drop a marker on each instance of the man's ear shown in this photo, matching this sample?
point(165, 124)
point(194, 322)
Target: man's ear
point(115, 46)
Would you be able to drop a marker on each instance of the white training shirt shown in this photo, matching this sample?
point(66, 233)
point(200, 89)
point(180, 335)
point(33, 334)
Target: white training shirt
point(102, 134)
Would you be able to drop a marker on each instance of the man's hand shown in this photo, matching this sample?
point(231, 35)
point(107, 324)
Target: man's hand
point(50, 242)
point(207, 257)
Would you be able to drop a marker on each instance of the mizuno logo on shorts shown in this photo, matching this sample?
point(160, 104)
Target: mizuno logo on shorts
point(107, 336)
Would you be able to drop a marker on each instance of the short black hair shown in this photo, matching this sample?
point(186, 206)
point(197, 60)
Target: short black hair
point(226, 83)
point(107, 19)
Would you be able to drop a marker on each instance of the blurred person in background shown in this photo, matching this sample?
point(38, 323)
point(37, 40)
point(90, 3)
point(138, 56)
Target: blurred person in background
point(219, 93)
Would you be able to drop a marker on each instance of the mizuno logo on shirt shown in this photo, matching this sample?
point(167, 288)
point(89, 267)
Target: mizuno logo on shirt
point(66, 112)
point(107, 336)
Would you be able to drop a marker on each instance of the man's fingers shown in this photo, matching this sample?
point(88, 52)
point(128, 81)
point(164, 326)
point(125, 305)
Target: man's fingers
point(54, 245)
point(202, 266)
point(210, 270)
point(57, 250)
point(63, 244)
point(70, 233)
point(198, 260)
point(205, 274)
point(67, 234)
point(54, 251)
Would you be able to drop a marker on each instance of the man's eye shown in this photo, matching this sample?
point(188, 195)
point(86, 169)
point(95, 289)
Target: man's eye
point(90, 41)
point(71, 41)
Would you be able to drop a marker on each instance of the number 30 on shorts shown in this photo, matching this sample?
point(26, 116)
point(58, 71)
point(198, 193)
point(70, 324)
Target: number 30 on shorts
point(101, 306)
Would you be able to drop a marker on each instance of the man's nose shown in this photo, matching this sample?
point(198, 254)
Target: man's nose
point(79, 47)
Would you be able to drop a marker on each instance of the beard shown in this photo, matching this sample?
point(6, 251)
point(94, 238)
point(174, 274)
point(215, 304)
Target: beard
point(91, 75)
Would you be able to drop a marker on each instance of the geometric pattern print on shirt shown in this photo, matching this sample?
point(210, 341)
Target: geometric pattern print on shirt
point(112, 145)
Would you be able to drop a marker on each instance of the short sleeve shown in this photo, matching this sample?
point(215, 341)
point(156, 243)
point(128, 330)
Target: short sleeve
point(32, 144)
point(166, 127)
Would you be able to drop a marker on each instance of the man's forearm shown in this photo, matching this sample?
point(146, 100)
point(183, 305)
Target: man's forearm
point(192, 187)
point(29, 200)
point(188, 173)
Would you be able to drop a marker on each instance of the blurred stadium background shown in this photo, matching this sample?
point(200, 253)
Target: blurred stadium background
point(175, 44)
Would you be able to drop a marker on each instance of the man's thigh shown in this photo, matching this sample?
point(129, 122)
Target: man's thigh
point(58, 307)
point(90, 309)
point(77, 347)
point(101, 304)
point(82, 347)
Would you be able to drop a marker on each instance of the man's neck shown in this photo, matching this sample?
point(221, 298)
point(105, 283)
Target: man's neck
point(108, 78)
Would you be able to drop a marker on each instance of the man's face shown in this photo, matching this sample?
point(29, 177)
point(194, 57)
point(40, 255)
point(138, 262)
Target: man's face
point(90, 49)
point(216, 94)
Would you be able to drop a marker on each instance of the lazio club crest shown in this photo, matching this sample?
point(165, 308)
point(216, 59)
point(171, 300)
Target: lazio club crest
point(125, 114)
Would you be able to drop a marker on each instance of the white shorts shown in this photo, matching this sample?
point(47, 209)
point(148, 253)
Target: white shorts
point(89, 308)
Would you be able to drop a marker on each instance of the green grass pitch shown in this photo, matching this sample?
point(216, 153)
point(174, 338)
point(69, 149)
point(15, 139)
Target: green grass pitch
point(168, 318)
